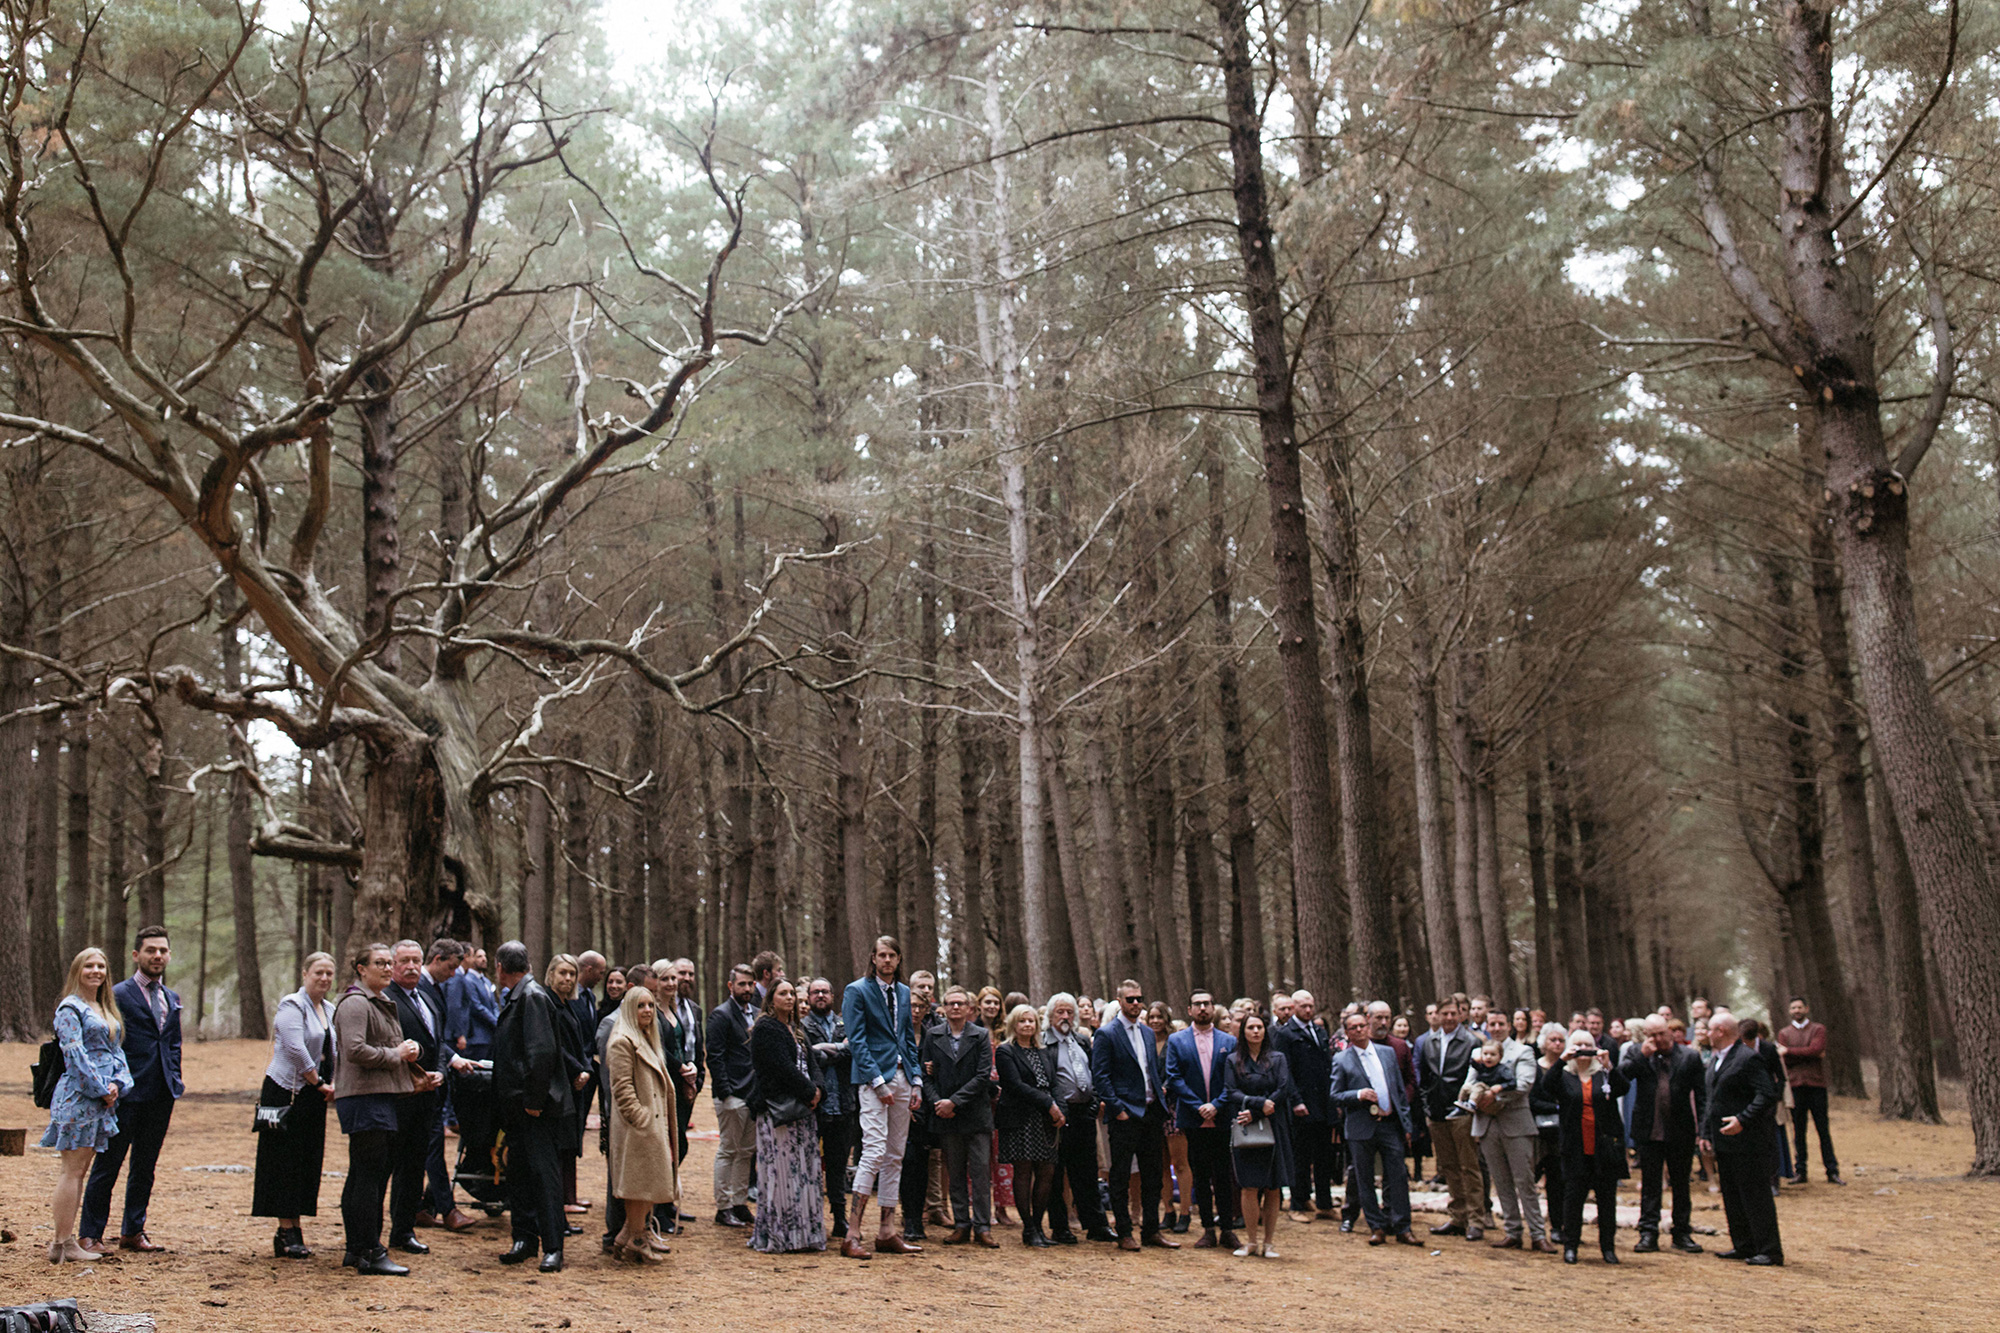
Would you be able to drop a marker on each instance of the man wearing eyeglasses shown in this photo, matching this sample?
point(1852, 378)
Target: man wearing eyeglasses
point(1125, 1068)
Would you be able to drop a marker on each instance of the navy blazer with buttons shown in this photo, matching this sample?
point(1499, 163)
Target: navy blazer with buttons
point(1350, 1077)
point(1115, 1072)
point(152, 1050)
point(1184, 1078)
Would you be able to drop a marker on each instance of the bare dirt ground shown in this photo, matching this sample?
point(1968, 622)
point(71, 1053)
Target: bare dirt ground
point(1908, 1245)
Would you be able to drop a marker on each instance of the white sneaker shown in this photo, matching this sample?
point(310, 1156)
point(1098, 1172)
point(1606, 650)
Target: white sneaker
point(1242, 1252)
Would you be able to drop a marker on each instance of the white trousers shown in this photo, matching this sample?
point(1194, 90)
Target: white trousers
point(885, 1132)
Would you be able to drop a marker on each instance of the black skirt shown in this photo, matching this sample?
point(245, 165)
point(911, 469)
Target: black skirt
point(289, 1160)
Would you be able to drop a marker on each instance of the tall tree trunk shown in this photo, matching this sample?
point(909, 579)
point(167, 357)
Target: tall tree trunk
point(1538, 880)
point(1492, 897)
point(1203, 879)
point(968, 933)
point(1440, 905)
point(1571, 934)
point(1828, 337)
point(45, 783)
point(153, 831)
point(19, 1018)
point(1140, 900)
point(924, 938)
point(250, 1019)
point(1251, 970)
point(1162, 843)
point(1324, 961)
point(1082, 920)
point(116, 945)
point(1107, 855)
point(76, 884)
point(1465, 839)
point(537, 876)
point(579, 885)
point(1904, 977)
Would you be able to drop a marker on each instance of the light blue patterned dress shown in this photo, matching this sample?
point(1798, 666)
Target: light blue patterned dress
point(791, 1201)
point(94, 1062)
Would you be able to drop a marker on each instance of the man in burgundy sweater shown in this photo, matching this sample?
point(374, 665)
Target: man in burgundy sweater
point(1804, 1045)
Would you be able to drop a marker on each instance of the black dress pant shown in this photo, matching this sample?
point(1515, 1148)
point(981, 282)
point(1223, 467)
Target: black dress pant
point(1144, 1138)
point(1312, 1165)
point(1076, 1159)
point(409, 1159)
point(1602, 1177)
point(1811, 1101)
point(142, 1128)
point(1552, 1182)
point(1214, 1176)
point(370, 1163)
point(1745, 1179)
point(916, 1180)
point(1675, 1160)
point(837, 1136)
point(535, 1147)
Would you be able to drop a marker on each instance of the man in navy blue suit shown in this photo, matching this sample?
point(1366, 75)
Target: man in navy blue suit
point(152, 1015)
point(1125, 1067)
point(1195, 1056)
point(1368, 1093)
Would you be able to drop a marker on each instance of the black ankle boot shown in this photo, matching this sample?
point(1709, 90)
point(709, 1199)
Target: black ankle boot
point(290, 1243)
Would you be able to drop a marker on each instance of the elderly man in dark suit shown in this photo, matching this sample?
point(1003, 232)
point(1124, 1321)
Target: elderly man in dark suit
point(1737, 1128)
point(1666, 1120)
point(1130, 1080)
point(1309, 1051)
point(958, 1093)
point(152, 1015)
point(417, 1116)
point(1368, 1093)
point(537, 1107)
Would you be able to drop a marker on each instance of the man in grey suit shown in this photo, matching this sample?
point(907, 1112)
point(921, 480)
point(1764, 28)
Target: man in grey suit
point(1368, 1093)
point(1504, 1129)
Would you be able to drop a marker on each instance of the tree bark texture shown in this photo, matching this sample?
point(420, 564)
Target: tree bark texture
point(1324, 962)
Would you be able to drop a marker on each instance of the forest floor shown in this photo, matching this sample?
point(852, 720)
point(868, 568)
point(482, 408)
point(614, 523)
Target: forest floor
point(1908, 1245)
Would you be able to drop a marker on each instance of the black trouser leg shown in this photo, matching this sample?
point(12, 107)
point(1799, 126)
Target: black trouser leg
point(1318, 1138)
point(1555, 1188)
point(369, 1166)
point(1811, 1102)
point(1214, 1176)
point(409, 1154)
point(1680, 1165)
point(1076, 1154)
point(1652, 1163)
point(837, 1134)
point(1747, 1202)
point(534, 1174)
point(916, 1180)
point(1144, 1139)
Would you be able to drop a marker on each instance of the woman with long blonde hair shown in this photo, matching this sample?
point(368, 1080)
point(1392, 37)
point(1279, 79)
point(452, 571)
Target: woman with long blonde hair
point(83, 1115)
point(642, 1119)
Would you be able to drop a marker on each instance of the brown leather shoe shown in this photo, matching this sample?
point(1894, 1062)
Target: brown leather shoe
point(895, 1244)
point(142, 1243)
point(853, 1248)
point(958, 1236)
point(984, 1238)
point(1303, 1219)
point(1128, 1243)
point(426, 1218)
point(1408, 1238)
point(1543, 1247)
point(459, 1220)
point(1159, 1240)
point(1511, 1243)
point(1377, 1237)
point(937, 1217)
point(1207, 1241)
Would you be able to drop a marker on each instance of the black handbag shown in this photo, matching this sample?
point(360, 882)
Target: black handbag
point(785, 1109)
point(272, 1119)
point(47, 1072)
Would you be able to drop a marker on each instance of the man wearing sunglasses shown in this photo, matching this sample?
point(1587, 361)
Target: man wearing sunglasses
point(1125, 1067)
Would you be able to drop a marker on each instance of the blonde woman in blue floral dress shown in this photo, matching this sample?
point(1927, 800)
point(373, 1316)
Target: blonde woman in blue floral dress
point(83, 1115)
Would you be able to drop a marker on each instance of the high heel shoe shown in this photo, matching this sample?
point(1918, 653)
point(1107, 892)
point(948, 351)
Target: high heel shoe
point(638, 1252)
point(290, 1243)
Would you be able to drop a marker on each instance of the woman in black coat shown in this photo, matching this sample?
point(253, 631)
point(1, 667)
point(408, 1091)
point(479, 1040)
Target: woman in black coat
point(1257, 1090)
point(784, 1092)
point(1587, 1087)
point(1028, 1118)
point(1547, 1109)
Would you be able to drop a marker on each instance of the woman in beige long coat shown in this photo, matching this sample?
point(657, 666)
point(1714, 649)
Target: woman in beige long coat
point(642, 1124)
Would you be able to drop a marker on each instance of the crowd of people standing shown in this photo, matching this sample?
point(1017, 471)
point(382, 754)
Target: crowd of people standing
point(1118, 1123)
